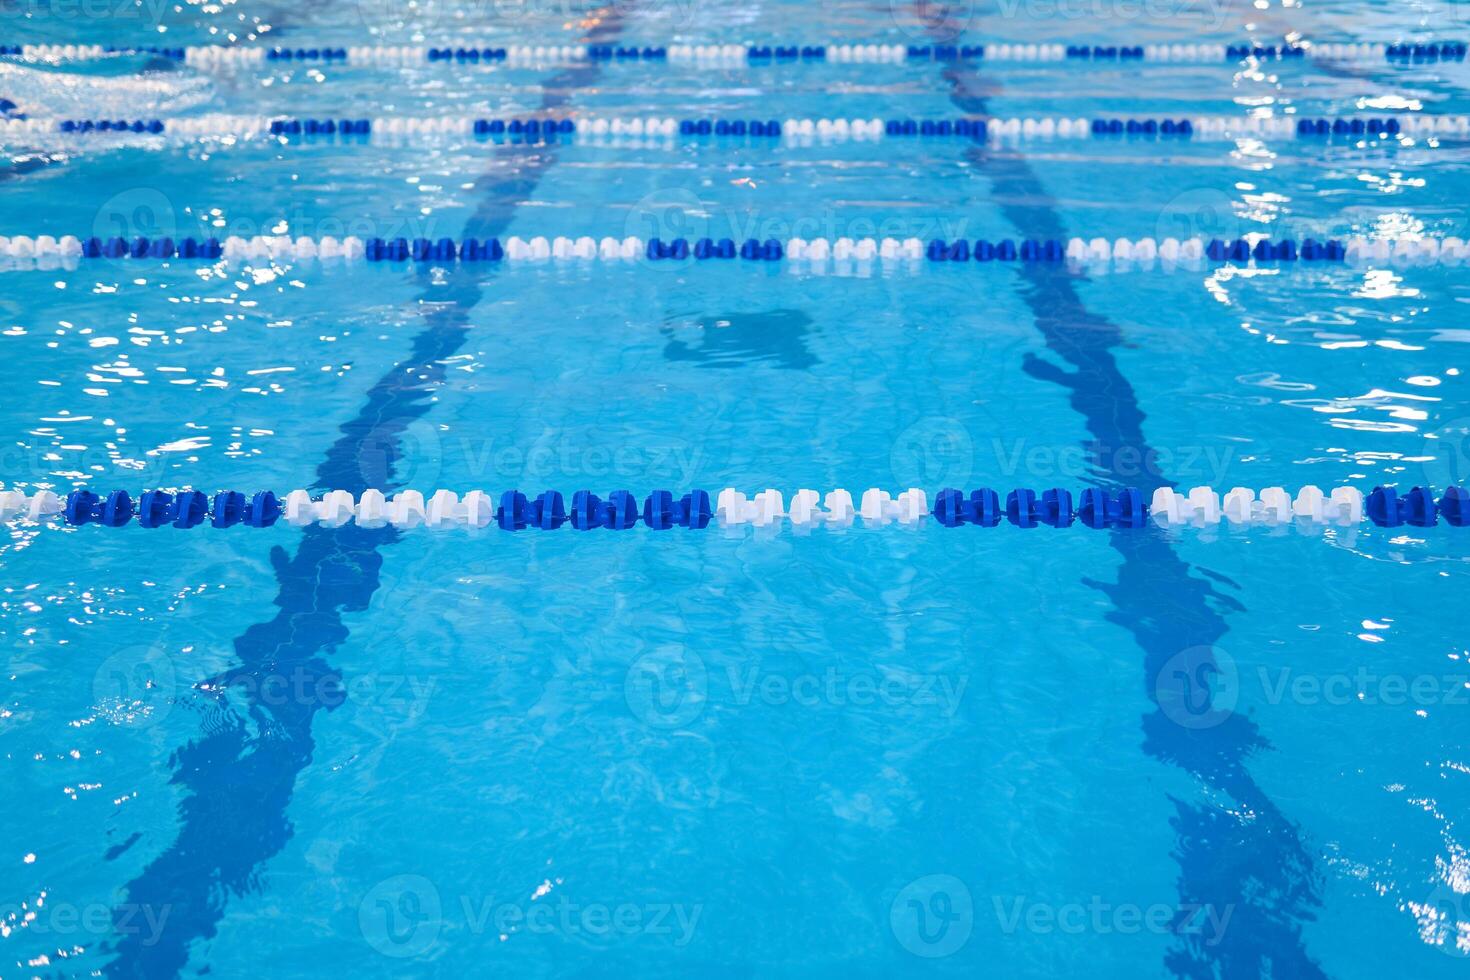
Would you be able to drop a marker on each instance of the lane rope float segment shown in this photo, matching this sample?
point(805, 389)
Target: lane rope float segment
point(725, 55)
point(1095, 508)
point(396, 130)
point(47, 251)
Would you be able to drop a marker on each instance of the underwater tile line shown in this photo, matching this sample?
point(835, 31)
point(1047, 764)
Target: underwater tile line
point(229, 828)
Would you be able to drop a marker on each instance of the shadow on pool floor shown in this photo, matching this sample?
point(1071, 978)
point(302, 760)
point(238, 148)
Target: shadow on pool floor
point(776, 337)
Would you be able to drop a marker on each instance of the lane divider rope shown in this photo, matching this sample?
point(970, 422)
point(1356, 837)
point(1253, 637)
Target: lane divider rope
point(398, 129)
point(222, 56)
point(1144, 252)
point(663, 509)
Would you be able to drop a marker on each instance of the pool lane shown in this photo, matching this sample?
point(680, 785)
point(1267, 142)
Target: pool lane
point(239, 777)
point(1259, 868)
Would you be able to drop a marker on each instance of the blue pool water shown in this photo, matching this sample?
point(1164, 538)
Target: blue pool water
point(887, 752)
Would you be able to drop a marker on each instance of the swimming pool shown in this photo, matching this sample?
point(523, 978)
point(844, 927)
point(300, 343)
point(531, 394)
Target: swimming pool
point(875, 747)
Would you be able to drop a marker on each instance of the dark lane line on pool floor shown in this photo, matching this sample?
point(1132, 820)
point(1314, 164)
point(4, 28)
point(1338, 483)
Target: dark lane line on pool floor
point(1254, 867)
point(238, 786)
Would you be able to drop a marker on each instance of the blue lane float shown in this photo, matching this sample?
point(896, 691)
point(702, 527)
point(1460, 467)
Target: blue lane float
point(152, 126)
point(1418, 53)
point(1348, 126)
point(1095, 508)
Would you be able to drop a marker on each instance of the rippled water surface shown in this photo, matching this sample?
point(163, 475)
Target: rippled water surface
point(880, 753)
